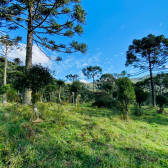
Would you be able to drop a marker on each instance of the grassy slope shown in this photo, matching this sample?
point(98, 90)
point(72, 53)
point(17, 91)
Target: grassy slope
point(89, 137)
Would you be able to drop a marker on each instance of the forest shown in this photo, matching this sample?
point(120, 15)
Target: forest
point(114, 120)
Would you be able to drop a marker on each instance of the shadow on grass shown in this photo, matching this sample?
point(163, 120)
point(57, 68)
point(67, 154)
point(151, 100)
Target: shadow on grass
point(99, 112)
point(151, 116)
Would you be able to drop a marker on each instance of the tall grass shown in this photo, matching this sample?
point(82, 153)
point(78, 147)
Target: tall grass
point(88, 137)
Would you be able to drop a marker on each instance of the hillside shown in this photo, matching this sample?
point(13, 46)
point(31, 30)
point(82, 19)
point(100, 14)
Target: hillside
point(135, 80)
point(88, 137)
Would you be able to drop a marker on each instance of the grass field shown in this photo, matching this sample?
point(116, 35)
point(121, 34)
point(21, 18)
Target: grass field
point(87, 137)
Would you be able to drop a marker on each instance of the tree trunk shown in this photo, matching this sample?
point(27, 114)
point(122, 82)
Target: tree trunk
point(139, 105)
point(160, 89)
point(152, 86)
point(60, 94)
point(36, 111)
point(127, 111)
point(27, 96)
point(93, 82)
point(5, 76)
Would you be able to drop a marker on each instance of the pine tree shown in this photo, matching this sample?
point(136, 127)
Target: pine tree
point(92, 72)
point(41, 18)
point(149, 54)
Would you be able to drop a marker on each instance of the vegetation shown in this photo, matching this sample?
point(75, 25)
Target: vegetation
point(126, 93)
point(89, 137)
point(161, 101)
point(41, 17)
point(92, 72)
point(148, 54)
point(49, 123)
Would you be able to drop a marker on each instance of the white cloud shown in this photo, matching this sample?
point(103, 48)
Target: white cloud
point(148, 30)
point(132, 71)
point(84, 81)
point(37, 56)
point(165, 66)
point(121, 53)
point(99, 53)
point(110, 68)
point(160, 24)
point(97, 48)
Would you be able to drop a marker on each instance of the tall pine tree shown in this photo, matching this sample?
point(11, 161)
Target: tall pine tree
point(149, 54)
point(41, 18)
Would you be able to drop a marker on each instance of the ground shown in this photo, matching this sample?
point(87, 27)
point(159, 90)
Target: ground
point(85, 137)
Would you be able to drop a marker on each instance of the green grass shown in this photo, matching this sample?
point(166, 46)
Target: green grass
point(87, 137)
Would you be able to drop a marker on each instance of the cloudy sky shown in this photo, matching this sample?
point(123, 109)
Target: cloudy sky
point(110, 28)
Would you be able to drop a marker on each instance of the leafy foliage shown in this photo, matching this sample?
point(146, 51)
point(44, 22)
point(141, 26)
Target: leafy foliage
point(126, 93)
point(72, 78)
point(92, 72)
point(107, 83)
point(35, 78)
point(103, 99)
point(161, 101)
point(12, 95)
point(141, 96)
point(5, 88)
point(149, 54)
point(40, 18)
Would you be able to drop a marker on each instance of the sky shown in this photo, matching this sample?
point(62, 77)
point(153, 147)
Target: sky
point(111, 26)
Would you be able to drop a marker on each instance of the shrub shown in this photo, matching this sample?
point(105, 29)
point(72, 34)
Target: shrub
point(137, 110)
point(103, 99)
point(36, 97)
point(4, 88)
point(161, 101)
point(12, 95)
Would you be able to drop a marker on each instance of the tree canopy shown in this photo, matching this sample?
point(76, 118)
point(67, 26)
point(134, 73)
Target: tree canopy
point(149, 54)
point(92, 72)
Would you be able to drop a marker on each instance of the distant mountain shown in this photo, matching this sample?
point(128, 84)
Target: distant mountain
point(89, 86)
point(135, 80)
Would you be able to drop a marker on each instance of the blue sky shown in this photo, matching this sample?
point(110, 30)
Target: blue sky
point(111, 26)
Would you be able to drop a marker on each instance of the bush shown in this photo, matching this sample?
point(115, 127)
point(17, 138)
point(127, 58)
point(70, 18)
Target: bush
point(103, 99)
point(161, 101)
point(36, 97)
point(12, 95)
point(137, 110)
point(4, 88)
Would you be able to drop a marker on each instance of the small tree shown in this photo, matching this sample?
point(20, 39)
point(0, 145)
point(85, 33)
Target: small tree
point(60, 83)
point(51, 89)
point(92, 72)
point(126, 92)
point(141, 96)
point(161, 101)
point(37, 77)
point(107, 83)
point(149, 54)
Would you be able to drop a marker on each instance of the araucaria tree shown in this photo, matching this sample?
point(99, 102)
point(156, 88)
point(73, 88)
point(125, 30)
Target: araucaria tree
point(149, 54)
point(41, 18)
point(92, 72)
point(72, 78)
